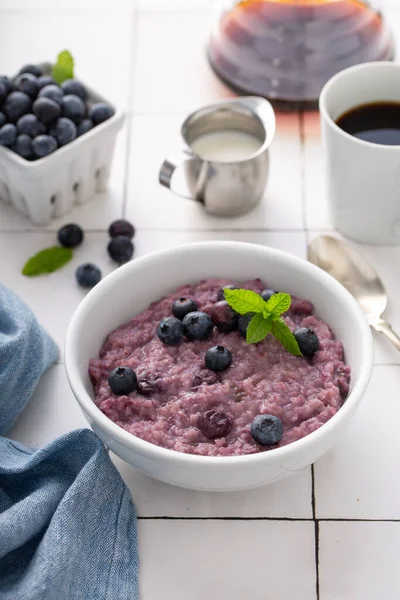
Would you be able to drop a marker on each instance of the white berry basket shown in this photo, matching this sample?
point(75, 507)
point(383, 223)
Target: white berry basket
point(51, 186)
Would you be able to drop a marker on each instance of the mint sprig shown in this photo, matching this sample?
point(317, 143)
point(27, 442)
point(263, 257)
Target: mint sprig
point(64, 67)
point(47, 261)
point(267, 317)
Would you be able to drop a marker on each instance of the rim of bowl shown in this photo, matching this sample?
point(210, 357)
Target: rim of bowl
point(143, 447)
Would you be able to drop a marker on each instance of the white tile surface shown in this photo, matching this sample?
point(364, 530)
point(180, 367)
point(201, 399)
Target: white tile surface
point(45, 34)
point(289, 498)
point(174, 4)
point(359, 479)
point(54, 297)
point(359, 561)
point(316, 206)
point(64, 5)
point(153, 63)
point(228, 560)
point(151, 206)
point(40, 422)
point(172, 73)
point(149, 241)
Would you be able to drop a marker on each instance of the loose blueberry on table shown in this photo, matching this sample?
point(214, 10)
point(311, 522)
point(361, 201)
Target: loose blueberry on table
point(70, 235)
point(121, 227)
point(120, 249)
point(51, 115)
point(88, 275)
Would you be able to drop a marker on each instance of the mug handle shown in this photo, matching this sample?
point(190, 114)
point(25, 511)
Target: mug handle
point(170, 165)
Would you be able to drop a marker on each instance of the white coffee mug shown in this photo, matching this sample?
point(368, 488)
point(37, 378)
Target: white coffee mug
point(363, 178)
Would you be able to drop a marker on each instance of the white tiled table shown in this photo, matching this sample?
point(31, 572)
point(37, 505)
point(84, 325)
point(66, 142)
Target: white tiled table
point(331, 532)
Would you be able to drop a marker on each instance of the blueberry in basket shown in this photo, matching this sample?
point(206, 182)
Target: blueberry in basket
point(52, 109)
point(52, 91)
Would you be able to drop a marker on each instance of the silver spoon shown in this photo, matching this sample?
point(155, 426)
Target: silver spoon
point(340, 260)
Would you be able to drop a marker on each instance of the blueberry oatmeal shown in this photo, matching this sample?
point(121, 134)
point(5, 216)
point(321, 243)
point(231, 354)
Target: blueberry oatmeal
point(181, 375)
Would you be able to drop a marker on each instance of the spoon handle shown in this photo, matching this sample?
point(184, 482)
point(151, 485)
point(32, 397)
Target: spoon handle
point(384, 327)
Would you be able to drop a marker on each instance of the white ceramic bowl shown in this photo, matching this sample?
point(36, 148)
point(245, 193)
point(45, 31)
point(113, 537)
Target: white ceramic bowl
point(131, 288)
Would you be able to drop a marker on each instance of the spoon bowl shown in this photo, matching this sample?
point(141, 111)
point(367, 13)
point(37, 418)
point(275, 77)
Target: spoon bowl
point(357, 275)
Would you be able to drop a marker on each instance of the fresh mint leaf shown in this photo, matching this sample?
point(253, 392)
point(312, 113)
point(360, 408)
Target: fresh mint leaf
point(279, 303)
point(47, 261)
point(63, 68)
point(244, 301)
point(258, 329)
point(282, 333)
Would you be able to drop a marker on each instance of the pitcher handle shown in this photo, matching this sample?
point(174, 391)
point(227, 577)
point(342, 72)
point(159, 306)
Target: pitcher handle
point(170, 165)
point(168, 168)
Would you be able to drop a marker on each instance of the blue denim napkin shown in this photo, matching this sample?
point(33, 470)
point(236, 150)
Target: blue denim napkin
point(67, 522)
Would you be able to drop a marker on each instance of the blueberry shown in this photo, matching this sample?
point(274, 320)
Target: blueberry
point(27, 83)
point(120, 249)
point(46, 110)
point(197, 326)
point(147, 387)
point(121, 227)
point(3, 119)
point(73, 108)
point(224, 317)
point(3, 92)
point(33, 69)
point(243, 323)
point(266, 430)
point(218, 358)
point(70, 236)
point(122, 381)
point(23, 145)
point(266, 294)
point(307, 341)
point(44, 80)
point(205, 376)
point(100, 112)
point(221, 295)
point(8, 134)
point(88, 275)
point(43, 145)
point(74, 87)
point(7, 84)
point(52, 91)
point(214, 424)
point(64, 130)
point(84, 126)
point(16, 105)
point(30, 125)
point(183, 306)
point(170, 331)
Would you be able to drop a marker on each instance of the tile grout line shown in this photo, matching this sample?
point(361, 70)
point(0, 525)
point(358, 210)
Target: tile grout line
point(135, 16)
point(316, 532)
point(283, 519)
point(303, 175)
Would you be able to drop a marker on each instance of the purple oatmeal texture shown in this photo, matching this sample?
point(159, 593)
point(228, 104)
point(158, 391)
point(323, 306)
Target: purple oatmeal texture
point(263, 379)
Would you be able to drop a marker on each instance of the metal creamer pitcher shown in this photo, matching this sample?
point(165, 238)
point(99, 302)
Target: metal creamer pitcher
point(225, 188)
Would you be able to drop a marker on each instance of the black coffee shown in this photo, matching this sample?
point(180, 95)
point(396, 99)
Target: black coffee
point(378, 123)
